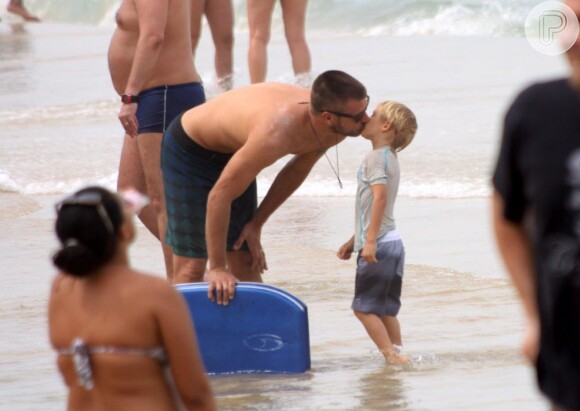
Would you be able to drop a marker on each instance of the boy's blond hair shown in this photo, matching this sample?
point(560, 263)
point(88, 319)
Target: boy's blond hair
point(403, 121)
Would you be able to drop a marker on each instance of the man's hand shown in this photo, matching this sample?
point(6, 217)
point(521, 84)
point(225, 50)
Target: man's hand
point(251, 234)
point(224, 285)
point(369, 252)
point(128, 118)
point(345, 251)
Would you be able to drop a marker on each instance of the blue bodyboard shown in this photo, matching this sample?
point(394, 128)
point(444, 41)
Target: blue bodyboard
point(264, 329)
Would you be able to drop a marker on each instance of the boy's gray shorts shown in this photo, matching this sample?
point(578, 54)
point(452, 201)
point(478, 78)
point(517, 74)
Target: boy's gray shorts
point(378, 286)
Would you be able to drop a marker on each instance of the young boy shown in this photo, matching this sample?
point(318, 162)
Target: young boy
point(379, 273)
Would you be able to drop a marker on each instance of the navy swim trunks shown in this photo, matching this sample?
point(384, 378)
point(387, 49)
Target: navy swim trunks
point(158, 106)
point(189, 173)
point(378, 286)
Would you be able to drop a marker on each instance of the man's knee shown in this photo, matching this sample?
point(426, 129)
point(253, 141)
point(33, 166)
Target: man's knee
point(240, 265)
point(188, 270)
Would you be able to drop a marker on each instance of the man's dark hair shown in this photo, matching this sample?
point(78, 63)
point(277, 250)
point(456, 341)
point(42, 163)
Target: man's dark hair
point(332, 88)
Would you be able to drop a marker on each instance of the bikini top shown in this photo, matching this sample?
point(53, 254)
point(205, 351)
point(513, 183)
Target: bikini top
point(82, 363)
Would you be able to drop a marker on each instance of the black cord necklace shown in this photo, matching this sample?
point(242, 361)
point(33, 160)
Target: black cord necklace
point(337, 171)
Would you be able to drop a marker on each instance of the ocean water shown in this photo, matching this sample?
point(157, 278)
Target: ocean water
point(457, 64)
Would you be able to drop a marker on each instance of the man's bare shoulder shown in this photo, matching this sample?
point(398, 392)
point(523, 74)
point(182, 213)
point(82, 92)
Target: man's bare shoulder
point(229, 120)
point(265, 97)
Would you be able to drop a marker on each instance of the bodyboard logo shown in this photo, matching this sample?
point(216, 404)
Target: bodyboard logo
point(264, 342)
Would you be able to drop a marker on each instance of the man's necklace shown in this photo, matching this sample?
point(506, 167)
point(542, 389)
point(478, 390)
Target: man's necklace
point(337, 171)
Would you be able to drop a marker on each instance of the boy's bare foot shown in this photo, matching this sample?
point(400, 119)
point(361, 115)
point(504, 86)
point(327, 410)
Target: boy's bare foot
point(393, 357)
point(17, 8)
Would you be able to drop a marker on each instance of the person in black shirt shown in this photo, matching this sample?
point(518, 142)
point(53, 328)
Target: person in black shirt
point(536, 213)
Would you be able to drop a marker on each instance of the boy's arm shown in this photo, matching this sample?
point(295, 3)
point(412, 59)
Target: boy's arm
point(377, 211)
point(345, 251)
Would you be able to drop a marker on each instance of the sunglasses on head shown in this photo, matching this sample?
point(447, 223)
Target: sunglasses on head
point(356, 117)
point(88, 199)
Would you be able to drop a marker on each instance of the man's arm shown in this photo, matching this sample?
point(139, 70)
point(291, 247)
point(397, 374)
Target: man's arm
point(286, 182)
point(236, 177)
point(516, 252)
point(152, 17)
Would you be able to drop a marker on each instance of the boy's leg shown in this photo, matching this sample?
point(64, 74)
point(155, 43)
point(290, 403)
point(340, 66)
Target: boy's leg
point(376, 330)
point(393, 329)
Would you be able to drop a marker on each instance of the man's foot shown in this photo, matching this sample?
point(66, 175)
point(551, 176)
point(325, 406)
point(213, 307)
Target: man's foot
point(21, 11)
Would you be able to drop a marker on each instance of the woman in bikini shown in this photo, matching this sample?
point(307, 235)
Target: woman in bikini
point(124, 340)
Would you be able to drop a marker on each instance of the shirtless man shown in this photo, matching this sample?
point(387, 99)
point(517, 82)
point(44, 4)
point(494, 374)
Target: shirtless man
point(152, 68)
point(212, 154)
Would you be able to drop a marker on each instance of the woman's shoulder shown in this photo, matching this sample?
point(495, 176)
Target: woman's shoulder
point(61, 282)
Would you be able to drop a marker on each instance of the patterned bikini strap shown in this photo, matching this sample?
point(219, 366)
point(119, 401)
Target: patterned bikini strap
point(157, 353)
point(81, 361)
point(78, 345)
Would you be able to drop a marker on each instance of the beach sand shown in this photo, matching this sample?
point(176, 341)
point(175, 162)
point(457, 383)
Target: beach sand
point(461, 320)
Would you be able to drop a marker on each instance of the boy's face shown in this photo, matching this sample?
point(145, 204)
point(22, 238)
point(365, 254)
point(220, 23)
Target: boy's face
point(373, 126)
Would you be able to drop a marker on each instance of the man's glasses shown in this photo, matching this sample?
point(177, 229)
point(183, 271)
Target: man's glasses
point(356, 117)
point(88, 199)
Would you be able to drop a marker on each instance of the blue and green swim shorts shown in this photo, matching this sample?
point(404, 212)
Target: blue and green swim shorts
point(189, 173)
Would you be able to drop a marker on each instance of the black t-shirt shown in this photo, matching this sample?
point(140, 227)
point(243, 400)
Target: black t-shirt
point(538, 177)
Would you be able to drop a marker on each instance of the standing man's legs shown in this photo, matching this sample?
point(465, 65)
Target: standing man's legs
point(150, 152)
point(192, 270)
point(294, 15)
point(131, 175)
point(259, 21)
point(220, 17)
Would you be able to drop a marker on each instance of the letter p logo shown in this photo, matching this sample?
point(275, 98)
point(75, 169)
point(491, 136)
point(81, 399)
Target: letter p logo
point(551, 28)
point(552, 22)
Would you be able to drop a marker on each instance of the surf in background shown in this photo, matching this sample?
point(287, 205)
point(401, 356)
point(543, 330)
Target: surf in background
point(367, 17)
point(456, 63)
